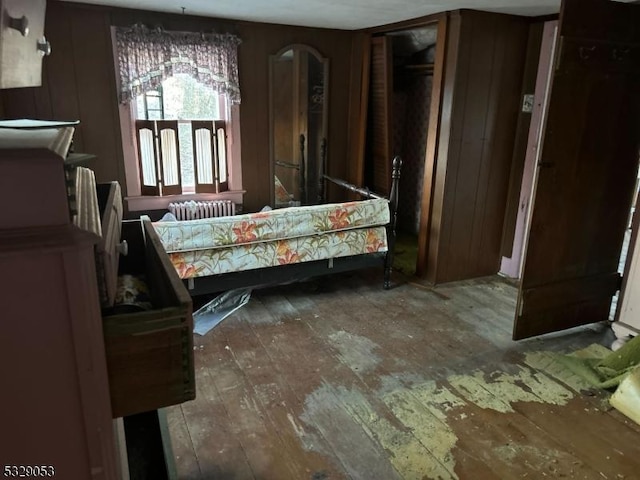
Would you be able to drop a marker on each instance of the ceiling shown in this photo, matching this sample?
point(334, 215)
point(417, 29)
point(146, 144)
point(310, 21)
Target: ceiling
point(340, 14)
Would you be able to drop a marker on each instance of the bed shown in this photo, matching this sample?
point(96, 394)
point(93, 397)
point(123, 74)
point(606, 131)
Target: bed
point(285, 244)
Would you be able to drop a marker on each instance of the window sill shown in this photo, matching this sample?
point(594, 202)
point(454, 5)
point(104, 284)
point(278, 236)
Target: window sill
point(144, 203)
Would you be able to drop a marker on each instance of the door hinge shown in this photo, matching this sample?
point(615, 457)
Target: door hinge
point(558, 54)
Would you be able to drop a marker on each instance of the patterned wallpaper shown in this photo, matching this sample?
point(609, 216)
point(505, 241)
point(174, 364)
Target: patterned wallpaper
point(411, 120)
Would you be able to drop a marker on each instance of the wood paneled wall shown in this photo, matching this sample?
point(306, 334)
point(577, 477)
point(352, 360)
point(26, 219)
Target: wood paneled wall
point(481, 100)
point(79, 83)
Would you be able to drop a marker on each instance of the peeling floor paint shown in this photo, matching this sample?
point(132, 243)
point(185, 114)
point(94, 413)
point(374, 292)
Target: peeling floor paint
point(498, 391)
point(361, 455)
point(409, 456)
point(410, 418)
point(428, 425)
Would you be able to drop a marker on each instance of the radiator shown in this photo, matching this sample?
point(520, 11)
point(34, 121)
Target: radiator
point(195, 210)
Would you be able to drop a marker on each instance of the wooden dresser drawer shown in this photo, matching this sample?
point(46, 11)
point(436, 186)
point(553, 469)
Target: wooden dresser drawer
point(150, 352)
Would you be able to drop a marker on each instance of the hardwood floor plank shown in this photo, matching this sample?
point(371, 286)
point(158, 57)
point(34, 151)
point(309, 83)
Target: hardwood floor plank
point(182, 444)
point(545, 362)
point(426, 421)
point(263, 447)
point(220, 454)
point(563, 415)
point(604, 444)
point(340, 379)
point(307, 368)
point(421, 429)
point(344, 321)
point(280, 403)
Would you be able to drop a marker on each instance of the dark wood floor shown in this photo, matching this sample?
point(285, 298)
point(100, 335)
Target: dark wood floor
point(341, 379)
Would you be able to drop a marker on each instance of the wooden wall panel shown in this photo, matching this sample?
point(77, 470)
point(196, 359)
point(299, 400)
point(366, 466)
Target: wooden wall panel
point(485, 60)
point(507, 94)
point(358, 107)
point(20, 100)
point(96, 93)
point(59, 71)
point(79, 83)
point(467, 170)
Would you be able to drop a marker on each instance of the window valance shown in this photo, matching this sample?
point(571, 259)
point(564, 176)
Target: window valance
point(146, 57)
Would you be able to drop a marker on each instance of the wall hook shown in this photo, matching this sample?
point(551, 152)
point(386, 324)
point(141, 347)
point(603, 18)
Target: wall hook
point(585, 52)
point(619, 53)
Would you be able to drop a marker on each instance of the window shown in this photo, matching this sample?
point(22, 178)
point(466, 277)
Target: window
point(181, 138)
point(179, 93)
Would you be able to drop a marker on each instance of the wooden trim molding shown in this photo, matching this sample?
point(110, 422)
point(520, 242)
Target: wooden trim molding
point(433, 133)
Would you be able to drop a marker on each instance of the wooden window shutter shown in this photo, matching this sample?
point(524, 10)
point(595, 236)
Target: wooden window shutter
point(220, 154)
point(203, 135)
point(147, 157)
point(169, 146)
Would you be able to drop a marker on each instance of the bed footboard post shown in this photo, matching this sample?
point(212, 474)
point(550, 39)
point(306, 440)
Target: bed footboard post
point(391, 228)
point(321, 171)
point(302, 173)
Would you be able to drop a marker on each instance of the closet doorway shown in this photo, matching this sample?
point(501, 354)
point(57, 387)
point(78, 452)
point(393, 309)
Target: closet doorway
point(401, 80)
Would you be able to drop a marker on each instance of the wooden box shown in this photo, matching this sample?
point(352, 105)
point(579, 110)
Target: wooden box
point(150, 353)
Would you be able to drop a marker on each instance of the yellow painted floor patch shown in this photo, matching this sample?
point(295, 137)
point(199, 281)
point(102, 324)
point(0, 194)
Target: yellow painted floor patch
point(409, 416)
point(498, 391)
point(429, 427)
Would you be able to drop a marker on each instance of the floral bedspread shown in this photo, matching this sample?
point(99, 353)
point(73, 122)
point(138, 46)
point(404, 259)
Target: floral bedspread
point(200, 263)
point(271, 226)
point(213, 246)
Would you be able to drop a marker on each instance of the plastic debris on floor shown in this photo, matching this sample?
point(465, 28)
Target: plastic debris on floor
point(211, 314)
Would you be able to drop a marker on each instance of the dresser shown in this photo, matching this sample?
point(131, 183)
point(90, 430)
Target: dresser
point(72, 363)
point(56, 410)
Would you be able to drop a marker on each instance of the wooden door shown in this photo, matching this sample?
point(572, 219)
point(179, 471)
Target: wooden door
point(586, 172)
point(380, 114)
point(627, 321)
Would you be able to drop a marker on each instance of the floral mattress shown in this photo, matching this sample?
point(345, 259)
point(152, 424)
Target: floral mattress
point(289, 235)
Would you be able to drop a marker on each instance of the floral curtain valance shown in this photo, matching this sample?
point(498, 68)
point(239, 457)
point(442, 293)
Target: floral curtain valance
point(146, 57)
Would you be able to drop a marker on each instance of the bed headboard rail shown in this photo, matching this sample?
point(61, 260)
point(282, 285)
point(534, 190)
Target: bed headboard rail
point(366, 193)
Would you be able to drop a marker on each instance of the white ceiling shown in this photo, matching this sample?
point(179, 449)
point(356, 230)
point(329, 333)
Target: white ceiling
point(341, 14)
